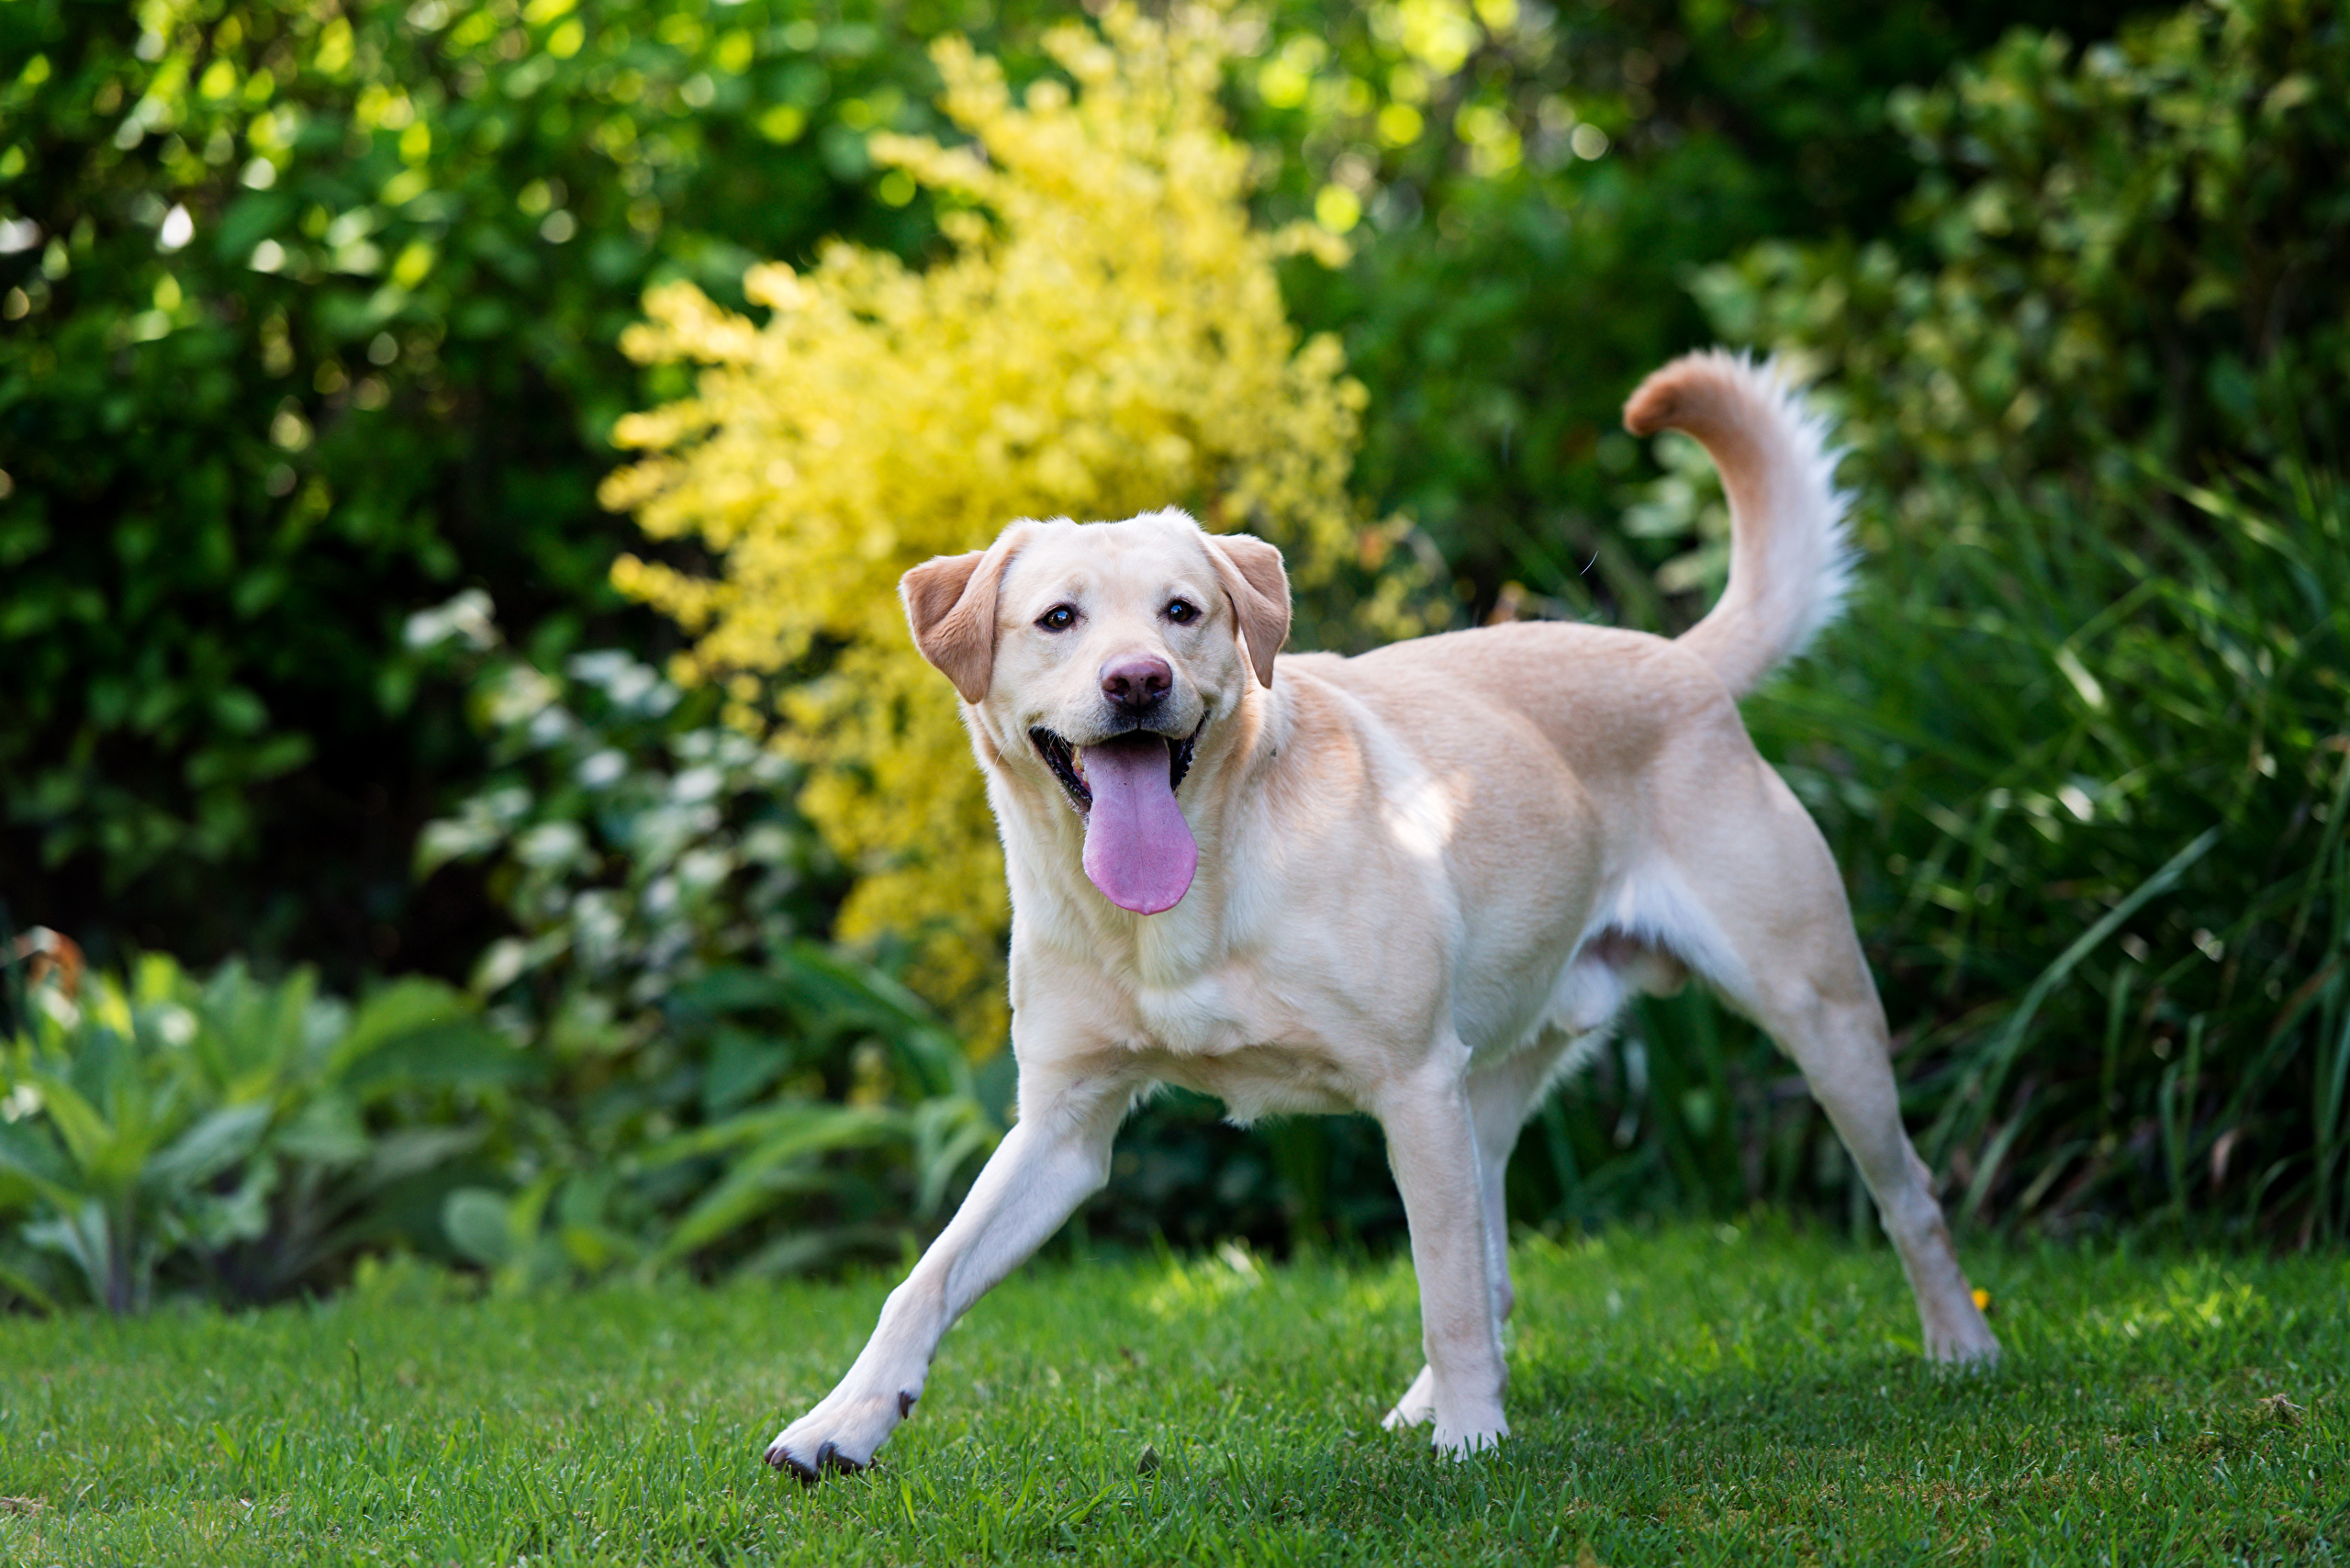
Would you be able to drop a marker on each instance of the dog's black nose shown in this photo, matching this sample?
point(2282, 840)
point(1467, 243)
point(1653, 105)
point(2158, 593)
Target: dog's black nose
point(1136, 682)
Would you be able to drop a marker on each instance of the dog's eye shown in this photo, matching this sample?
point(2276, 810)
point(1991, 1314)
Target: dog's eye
point(1183, 612)
point(1059, 618)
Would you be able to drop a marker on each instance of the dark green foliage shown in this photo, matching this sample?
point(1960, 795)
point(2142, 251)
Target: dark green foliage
point(1182, 1175)
point(312, 319)
point(1500, 315)
point(2138, 249)
point(2134, 259)
point(2109, 782)
point(227, 485)
point(2080, 309)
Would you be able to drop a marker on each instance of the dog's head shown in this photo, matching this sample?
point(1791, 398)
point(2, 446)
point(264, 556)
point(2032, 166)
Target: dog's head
point(1098, 658)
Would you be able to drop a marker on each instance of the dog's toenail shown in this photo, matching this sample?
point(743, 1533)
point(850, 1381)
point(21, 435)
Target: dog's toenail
point(906, 1404)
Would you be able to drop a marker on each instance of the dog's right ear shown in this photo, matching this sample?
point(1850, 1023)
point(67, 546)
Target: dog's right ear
point(950, 604)
point(1257, 589)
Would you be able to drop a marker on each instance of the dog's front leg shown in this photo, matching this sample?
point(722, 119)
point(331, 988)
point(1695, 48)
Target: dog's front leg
point(1055, 1156)
point(1432, 1147)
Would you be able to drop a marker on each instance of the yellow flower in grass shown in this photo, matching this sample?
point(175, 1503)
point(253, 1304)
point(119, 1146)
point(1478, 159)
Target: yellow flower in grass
point(1104, 335)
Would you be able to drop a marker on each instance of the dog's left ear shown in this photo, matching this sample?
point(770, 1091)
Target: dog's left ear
point(1256, 586)
point(950, 604)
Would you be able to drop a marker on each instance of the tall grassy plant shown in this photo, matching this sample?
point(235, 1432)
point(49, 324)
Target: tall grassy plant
point(2080, 751)
point(2090, 782)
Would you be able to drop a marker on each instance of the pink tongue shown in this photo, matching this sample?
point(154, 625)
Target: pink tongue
point(1138, 848)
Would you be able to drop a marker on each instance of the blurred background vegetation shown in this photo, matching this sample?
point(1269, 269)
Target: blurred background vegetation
point(309, 364)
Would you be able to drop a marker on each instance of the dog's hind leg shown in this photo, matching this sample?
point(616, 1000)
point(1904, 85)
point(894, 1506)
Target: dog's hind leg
point(1055, 1156)
point(1751, 901)
point(1502, 1094)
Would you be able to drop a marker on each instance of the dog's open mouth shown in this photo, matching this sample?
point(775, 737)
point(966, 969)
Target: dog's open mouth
point(1138, 848)
point(1067, 762)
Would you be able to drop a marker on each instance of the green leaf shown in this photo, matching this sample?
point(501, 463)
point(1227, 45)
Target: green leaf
point(462, 1056)
point(754, 1183)
point(808, 1123)
point(411, 1151)
point(327, 1131)
point(407, 1006)
point(102, 1153)
point(248, 221)
point(475, 1220)
point(214, 1143)
point(17, 1282)
point(858, 993)
point(733, 988)
point(28, 1152)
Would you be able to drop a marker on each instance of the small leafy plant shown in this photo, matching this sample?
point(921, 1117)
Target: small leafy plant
point(244, 1138)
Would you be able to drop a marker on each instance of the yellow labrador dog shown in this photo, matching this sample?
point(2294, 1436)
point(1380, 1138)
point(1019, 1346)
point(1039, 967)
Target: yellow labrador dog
point(1404, 883)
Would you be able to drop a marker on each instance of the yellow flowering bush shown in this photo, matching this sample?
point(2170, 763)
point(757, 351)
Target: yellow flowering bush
point(1104, 335)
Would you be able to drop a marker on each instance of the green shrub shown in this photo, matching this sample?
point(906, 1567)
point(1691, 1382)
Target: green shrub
point(310, 321)
point(722, 1091)
point(813, 1111)
point(2138, 249)
point(246, 1141)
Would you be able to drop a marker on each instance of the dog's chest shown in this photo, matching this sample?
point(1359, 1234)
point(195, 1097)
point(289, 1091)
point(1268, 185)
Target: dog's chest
point(1194, 1015)
point(1219, 1035)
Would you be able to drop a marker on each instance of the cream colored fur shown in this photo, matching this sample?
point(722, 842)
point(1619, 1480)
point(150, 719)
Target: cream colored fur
point(1425, 875)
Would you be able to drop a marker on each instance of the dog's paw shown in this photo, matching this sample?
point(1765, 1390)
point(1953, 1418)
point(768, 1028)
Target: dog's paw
point(1956, 1334)
point(1966, 1347)
point(1473, 1438)
point(843, 1433)
point(1418, 1408)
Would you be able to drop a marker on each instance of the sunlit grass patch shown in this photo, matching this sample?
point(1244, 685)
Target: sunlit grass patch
point(1709, 1394)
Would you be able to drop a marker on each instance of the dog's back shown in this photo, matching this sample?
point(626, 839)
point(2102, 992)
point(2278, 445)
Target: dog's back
point(1604, 698)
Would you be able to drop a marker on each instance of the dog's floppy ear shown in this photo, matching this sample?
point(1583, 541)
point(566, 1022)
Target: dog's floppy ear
point(1258, 589)
point(950, 604)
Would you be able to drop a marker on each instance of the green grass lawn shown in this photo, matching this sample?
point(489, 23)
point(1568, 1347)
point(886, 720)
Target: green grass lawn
point(1700, 1393)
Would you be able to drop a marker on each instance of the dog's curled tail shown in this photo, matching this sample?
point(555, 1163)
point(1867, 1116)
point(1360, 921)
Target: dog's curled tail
point(1790, 549)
